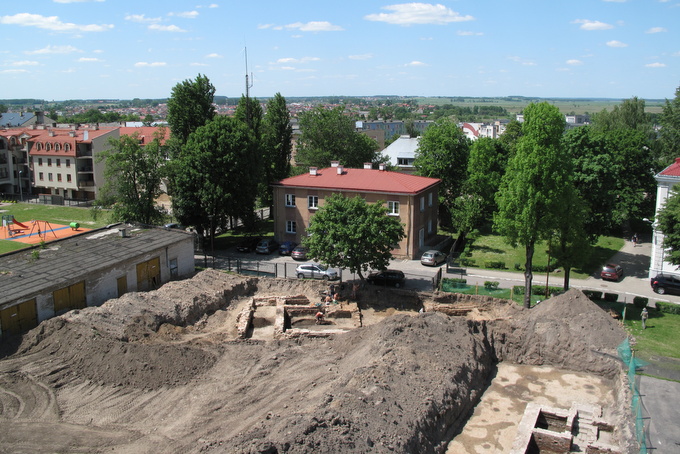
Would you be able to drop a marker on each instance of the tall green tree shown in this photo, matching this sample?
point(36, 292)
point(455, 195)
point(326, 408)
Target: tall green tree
point(212, 179)
point(328, 135)
point(133, 179)
point(670, 130)
point(531, 197)
point(278, 145)
point(190, 106)
point(443, 152)
point(350, 233)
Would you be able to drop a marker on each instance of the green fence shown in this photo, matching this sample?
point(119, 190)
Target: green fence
point(637, 406)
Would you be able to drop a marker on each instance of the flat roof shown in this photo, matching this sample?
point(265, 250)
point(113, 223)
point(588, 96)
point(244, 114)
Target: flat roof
point(69, 260)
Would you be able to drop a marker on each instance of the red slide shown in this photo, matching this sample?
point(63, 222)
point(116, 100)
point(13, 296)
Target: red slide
point(23, 226)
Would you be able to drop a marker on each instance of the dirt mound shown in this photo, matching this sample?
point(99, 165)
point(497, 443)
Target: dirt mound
point(568, 331)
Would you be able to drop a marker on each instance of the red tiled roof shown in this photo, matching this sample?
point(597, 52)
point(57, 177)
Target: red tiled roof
point(672, 170)
point(146, 133)
point(61, 136)
point(361, 180)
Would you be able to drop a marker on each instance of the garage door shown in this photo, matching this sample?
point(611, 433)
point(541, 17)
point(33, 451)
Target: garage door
point(149, 274)
point(68, 298)
point(19, 318)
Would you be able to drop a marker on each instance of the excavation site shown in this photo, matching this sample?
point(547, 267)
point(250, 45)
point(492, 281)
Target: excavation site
point(222, 363)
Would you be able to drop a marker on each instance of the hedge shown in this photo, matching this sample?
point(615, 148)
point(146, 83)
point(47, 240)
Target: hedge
point(668, 308)
point(491, 285)
point(611, 297)
point(536, 290)
point(594, 295)
point(640, 302)
point(494, 265)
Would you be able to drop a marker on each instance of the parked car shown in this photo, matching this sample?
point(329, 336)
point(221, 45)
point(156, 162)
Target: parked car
point(387, 277)
point(316, 271)
point(248, 244)
point(611, 272)
point(174, 225)
point(287, 247)
point(266, 246)
point(432, 258)
point(662, 284)
point(299, 253)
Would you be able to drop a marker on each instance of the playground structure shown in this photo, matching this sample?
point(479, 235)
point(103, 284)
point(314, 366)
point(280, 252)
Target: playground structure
point(36, 230)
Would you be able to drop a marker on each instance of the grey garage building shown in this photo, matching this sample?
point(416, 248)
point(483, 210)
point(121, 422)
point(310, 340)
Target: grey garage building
point(88, 269)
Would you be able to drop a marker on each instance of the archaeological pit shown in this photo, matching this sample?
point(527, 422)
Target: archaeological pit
point(223, 363)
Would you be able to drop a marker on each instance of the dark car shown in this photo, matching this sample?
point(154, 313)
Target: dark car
point(432, 258)
point(666, 284)
point(287, 247)
point(299, 253)
point(611, 272)
point(266, 246)
point(387, 277)
point(248, 244)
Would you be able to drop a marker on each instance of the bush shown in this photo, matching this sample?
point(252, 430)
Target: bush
point(640, 302)
point(518, 267)
point(467, 262)
point(668, 308)
point(491, 285)
point(494, 265)
point(594, 295)
point(537, 290)
point(611, 297)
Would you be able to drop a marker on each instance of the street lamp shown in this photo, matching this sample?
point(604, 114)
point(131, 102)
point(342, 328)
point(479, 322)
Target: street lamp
point(656, 245)
point(21, 191)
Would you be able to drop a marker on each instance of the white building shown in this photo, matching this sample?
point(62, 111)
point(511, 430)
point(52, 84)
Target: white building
point(666, 181)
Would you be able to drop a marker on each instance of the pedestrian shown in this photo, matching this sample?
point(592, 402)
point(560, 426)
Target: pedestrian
point(635, 239)
point(643, 316)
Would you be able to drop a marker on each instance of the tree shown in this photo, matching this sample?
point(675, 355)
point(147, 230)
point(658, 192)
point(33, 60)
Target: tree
point(328, 135)
point(443, 153)
point(350, 233)
point(133, 178)
point(214, 177)
point(531, 197)
point(190, 106)
point(669, 223)
point(278, 136)
point(148, 120)
point(670, 130)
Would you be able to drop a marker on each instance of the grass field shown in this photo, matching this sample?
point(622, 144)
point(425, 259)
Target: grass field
point(54, 214)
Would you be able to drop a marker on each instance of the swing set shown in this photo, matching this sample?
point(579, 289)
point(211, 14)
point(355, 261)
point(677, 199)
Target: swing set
point(9, 223)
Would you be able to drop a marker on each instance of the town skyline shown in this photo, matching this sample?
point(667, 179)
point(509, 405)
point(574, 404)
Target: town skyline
point(98, 49)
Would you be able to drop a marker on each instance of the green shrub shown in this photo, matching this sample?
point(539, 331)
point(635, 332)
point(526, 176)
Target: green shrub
point(494, 265)
point(594, 295)
point(456, 280)
point(518, 267)
point(640, 302)
point(536, 290)
point(491, 285)
point(668, 308)
point(467, 262)
point(611, 297)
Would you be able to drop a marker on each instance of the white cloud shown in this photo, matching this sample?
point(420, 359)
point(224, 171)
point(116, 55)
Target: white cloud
point(418, 13)
point(290, 60)
point(265, 26)
point(213, 5)
point(53, 50)
point(185, 14)
point(656, 30)
point(25, 63)
point(416, 63)
point(655, 65)
point(141, 18)
point(314, 26)
point(574, 62)
point(615, 1)
point(144, 64)
point(198, 64)
point(77, 1)
point(89, 59)
point(13, 71)
point(213, 55)
point(463, 33)
point(361, 57)
point(592, 24)
point(615, 43)
point(51, 23)
point(521, 61)
point(166, 28)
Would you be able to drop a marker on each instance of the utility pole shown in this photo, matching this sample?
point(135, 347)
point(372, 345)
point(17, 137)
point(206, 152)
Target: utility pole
point(249, 84)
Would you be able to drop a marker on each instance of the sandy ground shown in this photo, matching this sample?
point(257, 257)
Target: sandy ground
point(163, 372)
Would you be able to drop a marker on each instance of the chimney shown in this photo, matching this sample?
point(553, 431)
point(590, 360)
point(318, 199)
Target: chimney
point(72, 133)
point(335, 163)
point(381, 166)
point(339, 170)
point(368, 165)
point(122, 233)
point(50, 133)
point(312, 171)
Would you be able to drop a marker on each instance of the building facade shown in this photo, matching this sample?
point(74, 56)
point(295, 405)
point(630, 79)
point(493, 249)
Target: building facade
point(665, 185)
point(413, 199)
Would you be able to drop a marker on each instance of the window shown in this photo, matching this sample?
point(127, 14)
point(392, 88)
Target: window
point(402, 161)
point(68, 177)
point(49, 177)
point(58, 177)
point(49, 161)
point(68, 163)
point(58, 162)
point(57, 147)
point(41, 177)
point(174, 271)
point(393, 208)
point(422, 203)
point(313, 202)
point(429, 199)
point(291, 227)
point(429, 226)
point(67, 147)
point(39, 161)
point(290, 200)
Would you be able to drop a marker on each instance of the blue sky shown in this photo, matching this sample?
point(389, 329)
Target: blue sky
point(66, 49)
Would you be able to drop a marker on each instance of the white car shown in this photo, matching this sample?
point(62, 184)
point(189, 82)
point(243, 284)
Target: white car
point(316, 271)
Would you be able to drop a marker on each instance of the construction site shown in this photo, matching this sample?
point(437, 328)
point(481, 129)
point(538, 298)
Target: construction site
point(223, 363)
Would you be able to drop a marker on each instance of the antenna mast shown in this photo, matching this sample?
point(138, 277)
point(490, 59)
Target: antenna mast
point(249, 84)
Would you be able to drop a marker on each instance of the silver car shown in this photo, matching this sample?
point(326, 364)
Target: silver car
point(316, 271)
point(432, 258)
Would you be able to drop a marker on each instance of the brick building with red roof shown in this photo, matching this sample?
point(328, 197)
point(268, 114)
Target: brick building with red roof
point(413, 199)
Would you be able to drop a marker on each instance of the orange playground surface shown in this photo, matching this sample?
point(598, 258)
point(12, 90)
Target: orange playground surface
point(33, 232)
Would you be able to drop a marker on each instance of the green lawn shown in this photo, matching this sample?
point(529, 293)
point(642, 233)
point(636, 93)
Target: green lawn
point(54, 214)
point(493, 248)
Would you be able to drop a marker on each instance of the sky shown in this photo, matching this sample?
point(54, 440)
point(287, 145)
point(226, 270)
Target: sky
point(123, 49)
